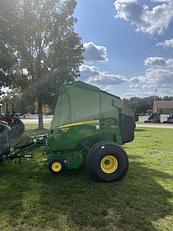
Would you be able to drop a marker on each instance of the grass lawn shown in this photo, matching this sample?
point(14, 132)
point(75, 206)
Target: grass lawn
point(30, 127)
point(32, 199)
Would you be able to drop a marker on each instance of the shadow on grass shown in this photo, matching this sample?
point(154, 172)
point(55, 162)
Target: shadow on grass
point(31, 197)
point(140, 130)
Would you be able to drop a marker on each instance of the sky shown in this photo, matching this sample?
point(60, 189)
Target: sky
point(128, 45)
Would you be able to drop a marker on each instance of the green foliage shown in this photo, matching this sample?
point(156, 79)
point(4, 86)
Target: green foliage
point(46, 44)
point(8, 59)
point(32, 199)
point(41, 32)
point(7, 62)
point(23, 104)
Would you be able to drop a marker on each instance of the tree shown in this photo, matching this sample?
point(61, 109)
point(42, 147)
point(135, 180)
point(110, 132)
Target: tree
point(46, 46)
point(7, 62)
point(8, 74)
point(9, 71)
point(22, 104)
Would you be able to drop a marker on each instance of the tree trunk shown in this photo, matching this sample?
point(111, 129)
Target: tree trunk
point(6, 108)
point(40, 114)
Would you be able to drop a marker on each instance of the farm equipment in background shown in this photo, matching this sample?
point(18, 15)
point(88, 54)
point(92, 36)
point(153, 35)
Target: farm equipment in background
point(153, 118)
point(136, 117)
point(16, 126)
point(169, 119)
point(88, 127)
point(4, 141)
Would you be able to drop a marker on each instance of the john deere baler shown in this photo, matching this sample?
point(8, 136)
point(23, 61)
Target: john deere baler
point(88, 127)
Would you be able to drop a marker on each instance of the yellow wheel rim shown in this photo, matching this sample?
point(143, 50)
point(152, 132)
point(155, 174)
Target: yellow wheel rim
point(56, 167)
point(109, 164)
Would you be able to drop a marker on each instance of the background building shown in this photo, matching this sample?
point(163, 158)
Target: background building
point(163, 107)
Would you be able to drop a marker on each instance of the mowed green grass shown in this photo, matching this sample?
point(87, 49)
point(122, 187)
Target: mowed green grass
point(34, 127)
point(32, 199)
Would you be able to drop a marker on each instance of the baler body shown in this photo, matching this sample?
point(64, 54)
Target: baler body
point(85, 115)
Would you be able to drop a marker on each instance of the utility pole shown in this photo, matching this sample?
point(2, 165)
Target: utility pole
point(155, 91)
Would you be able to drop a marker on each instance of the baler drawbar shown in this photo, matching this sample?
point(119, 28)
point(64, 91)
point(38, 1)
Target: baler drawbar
point(19, 151)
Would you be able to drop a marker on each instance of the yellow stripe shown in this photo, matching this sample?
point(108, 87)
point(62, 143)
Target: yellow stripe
point(79, 123)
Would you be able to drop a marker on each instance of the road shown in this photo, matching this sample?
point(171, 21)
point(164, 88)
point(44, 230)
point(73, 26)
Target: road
point(148, 125)
point(47, 120)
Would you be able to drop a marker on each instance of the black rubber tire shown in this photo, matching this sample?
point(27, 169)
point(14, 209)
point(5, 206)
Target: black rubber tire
point(20, 127)
point(17, 129)
point(50, 162)
point(95, 155)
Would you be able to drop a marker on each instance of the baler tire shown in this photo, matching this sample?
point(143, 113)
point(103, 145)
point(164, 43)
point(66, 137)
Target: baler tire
point(50, 164)
point(98, 152)
point(89, 157)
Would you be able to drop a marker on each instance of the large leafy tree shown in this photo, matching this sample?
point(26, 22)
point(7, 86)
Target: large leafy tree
point(47, 49)
point(8, 60)
point(8, 73)
point(7, 67)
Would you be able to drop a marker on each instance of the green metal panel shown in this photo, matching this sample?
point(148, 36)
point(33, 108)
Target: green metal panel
point(77, 102)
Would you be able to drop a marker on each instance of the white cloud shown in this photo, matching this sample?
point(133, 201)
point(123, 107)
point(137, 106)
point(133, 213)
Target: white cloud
point(105, 78)
point(94, 53)
point(88, 71)
point(158, 74)
point(155, 61)
point(137, 94)
point(93, 75)
point(153, 18)
point(166, 43)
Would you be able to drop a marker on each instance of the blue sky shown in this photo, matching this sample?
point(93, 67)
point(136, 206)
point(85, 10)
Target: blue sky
point(129, 45)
